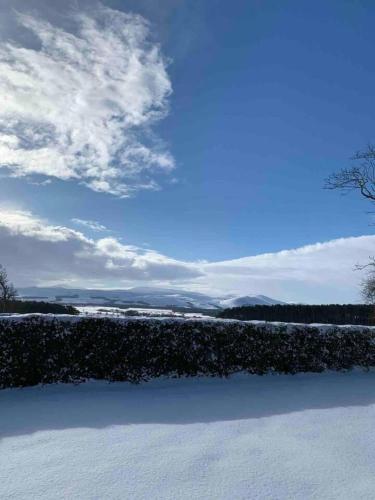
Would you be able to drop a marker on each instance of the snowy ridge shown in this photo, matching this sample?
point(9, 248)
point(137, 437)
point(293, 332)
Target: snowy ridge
point(140, 296)
point(252, 300)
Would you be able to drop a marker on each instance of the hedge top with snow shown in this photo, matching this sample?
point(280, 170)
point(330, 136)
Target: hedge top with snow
point(38, 349)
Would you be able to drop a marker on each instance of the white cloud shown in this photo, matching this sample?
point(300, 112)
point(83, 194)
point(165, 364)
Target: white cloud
point(80, 107)
point(37, 252)
point(322, 272)
point(90, 224)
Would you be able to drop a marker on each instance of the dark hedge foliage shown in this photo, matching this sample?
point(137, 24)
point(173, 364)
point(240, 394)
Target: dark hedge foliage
point(35, 306)
point(37, 350)
point(336, 314)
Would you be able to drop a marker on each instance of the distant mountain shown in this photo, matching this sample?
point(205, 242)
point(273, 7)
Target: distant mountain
point(141, 296)
point(249, 300)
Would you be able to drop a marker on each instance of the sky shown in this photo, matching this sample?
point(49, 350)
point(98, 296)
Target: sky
point(185, 144)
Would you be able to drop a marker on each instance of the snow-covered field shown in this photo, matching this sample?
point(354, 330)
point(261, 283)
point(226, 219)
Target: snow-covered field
point(273, 437)
point(118, 312)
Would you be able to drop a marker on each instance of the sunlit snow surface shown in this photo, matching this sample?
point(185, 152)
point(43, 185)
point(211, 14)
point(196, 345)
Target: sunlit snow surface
point(248, 437)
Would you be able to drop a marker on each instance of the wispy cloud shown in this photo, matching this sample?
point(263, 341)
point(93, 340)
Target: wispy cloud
point(90, 224)
point(81, 106)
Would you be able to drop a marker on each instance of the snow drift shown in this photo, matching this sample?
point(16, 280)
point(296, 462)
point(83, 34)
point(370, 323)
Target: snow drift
point(302, 437)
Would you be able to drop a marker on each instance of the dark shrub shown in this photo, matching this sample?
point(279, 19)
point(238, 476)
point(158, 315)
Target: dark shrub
point(35, 306)
point(37, 349)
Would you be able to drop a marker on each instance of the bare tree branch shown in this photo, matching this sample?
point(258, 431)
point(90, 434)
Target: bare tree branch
point(7, 290)
point(361, 176)
point(368, 289)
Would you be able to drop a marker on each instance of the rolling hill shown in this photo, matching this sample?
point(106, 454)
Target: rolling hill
point(140, 296)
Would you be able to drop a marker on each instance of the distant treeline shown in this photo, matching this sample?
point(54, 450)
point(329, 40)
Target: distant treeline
point(338, 314)
point(34, 306)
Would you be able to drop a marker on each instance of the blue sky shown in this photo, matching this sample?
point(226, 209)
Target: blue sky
point(266, 99)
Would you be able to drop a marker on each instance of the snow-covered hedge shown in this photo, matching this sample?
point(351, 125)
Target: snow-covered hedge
point(40, 349)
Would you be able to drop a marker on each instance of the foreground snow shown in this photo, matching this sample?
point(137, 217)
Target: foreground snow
point(273, 437)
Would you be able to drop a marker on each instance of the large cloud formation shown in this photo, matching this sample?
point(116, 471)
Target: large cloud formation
point(36, 252)
point(318, 273)
point(80, 106)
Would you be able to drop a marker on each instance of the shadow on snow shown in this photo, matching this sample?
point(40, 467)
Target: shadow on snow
point(178, 401)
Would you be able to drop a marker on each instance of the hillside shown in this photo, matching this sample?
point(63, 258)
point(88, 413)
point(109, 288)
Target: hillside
point(138, 296)
point(249, 300)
